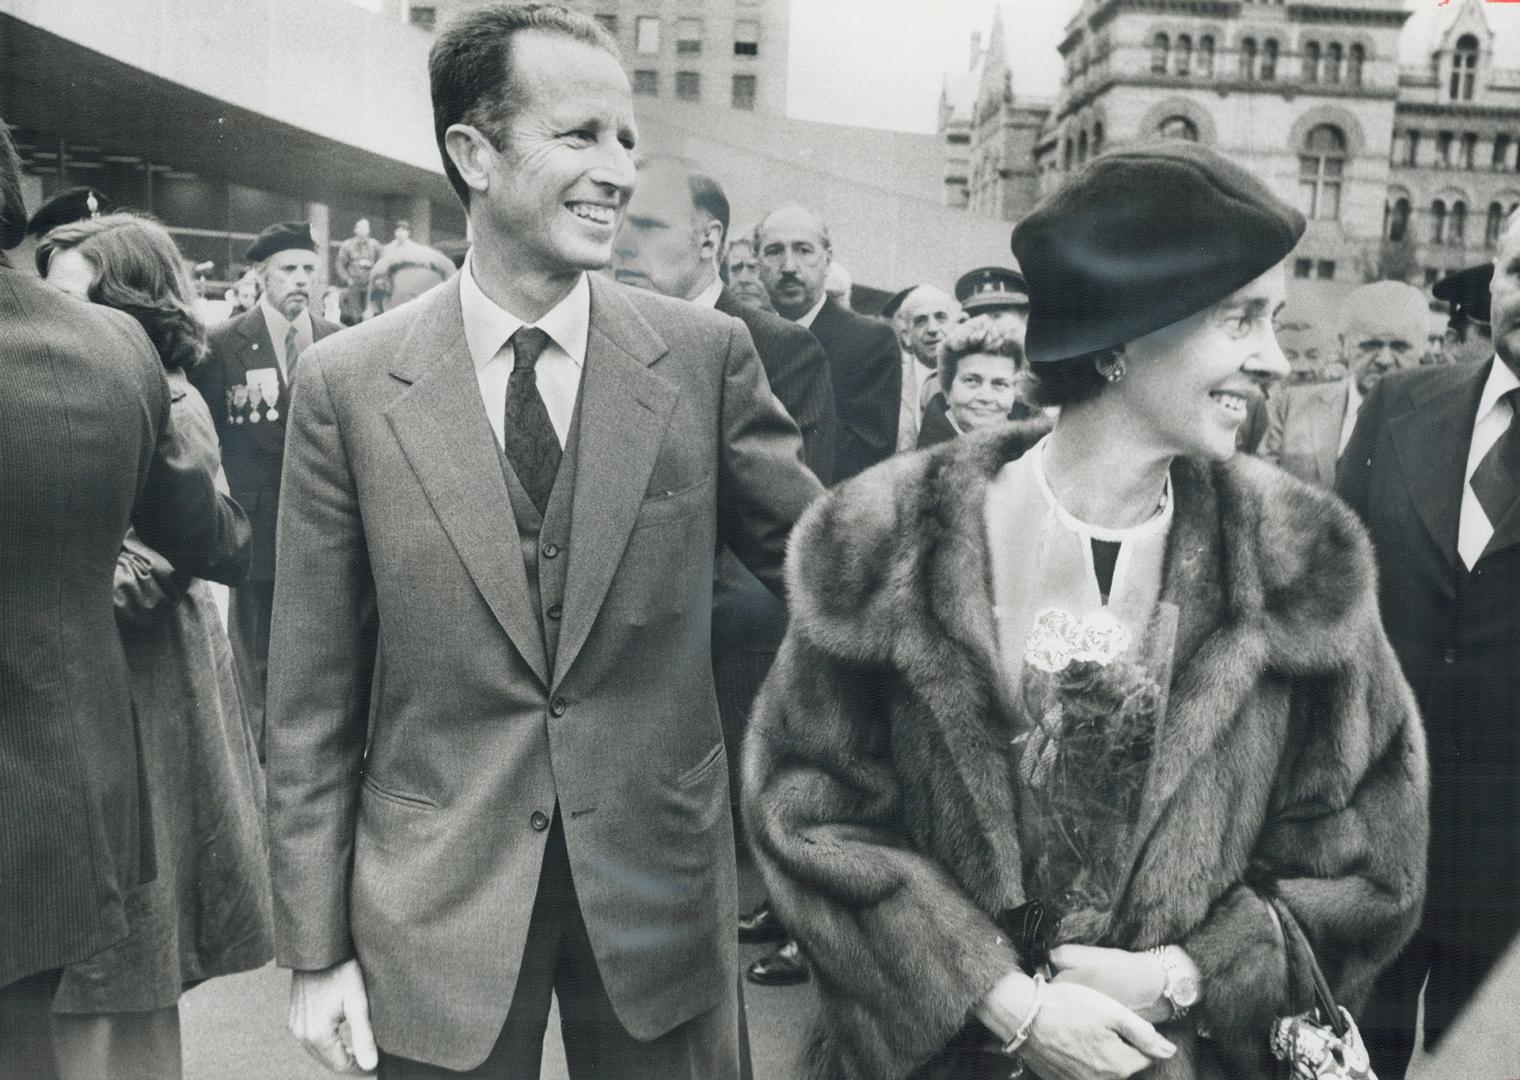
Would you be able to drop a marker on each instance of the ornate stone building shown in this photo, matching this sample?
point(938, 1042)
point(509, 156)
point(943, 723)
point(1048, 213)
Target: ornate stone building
point(1402, 171)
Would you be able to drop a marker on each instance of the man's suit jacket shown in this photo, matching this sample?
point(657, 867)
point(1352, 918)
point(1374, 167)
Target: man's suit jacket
point(867, 368)
point(252, 438)
point(1457, 635)
point(1304, 429)
point(420, 739)
point(86, 449)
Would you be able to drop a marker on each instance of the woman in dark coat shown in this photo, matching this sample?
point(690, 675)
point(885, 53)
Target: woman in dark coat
point(207, 912)
point(913, 772)
point(979, 367)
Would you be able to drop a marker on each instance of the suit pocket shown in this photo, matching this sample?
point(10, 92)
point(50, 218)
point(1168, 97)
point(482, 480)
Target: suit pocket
point(397, 798)
point(660, 505)
point(698, 772)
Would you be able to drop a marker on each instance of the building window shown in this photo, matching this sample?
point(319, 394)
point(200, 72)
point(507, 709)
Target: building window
point(1464, 68)
point(744, 92)
point(1411, 148)
point(1333, 57)
point(1178, 127)
point(1438, 222)
point(1269, 60)
point(1469, 151)
point(1398, 220)
point(1356, 59)
point(746, 38)
point(1456, 224)
point(1184, 54)
point(1097, 139)
point(1206, 56)
point(1325, 269)
point(1302, 268)
point(1082, 148)
point(1161, 46)
point(1431, 274)
point(647, 35)
point(423, 17)
point(689, 37)
point(1501, 152)
point(1443, 149)
point(1248, 58)
point(1068, 154)
point(646, 83)
point(1311, 62)
point(688, 86)
point(608, 23)
point(1321, 169)
point(1493, 224)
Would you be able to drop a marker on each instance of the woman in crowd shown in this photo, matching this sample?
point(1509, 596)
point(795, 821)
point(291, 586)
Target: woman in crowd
point(1114, 675)
point(979, 364)
point(207, 912)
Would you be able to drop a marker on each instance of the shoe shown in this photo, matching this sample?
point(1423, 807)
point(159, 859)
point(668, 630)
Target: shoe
point(784, 967)
point(760, 926)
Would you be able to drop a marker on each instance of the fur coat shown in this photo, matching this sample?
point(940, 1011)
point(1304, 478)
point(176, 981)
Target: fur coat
point(879, 791)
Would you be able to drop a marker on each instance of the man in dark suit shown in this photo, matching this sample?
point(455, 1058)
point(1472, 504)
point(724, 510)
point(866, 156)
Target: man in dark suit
point(497, 771)
point(246, 380)
point(86, 449)
point(1433, 467)
point(864, 360)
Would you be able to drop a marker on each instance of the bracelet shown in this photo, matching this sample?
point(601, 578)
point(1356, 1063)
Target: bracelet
point(1021, 1036)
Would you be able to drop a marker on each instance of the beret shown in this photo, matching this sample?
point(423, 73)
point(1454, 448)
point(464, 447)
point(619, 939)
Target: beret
point(283, 236)
point(1467, 291)
point(991, 288)
point(895, 301)
point(67, 207)
point(1141, 238)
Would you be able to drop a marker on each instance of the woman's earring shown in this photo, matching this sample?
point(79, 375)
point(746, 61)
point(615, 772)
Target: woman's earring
point(1111, 367)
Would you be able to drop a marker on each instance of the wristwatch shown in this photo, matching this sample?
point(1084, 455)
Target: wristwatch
point(1181, 987)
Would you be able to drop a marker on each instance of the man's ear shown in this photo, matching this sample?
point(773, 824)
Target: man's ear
point(471, 153)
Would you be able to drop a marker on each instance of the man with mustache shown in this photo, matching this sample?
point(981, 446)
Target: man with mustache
point(1309, 424)
point(246, 379)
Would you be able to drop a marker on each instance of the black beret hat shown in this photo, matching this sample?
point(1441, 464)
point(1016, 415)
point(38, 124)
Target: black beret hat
point(284, 236)
point(895, 301)
point(1142, 238)
point(1467, 291)
point(67, 207)
point(991, 288)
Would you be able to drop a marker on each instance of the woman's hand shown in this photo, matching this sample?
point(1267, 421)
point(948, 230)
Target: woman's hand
point(1079, 1034)
point(1136, 980)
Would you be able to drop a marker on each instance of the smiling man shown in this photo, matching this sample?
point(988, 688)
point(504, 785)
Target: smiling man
point(497, 771)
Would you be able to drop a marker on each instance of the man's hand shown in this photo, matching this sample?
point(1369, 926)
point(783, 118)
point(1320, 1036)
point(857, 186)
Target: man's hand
point(320, 1001)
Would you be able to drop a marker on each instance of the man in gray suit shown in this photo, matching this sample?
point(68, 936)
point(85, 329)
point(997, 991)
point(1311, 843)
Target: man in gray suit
point(1309, 424)
point(496, 765)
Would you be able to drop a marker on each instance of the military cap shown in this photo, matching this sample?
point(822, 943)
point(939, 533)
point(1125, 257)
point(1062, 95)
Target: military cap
point(895, 301)
point(67, 207)
point(991, 288)
point(283, 236)
point(1141, 238)
point(1467, 291)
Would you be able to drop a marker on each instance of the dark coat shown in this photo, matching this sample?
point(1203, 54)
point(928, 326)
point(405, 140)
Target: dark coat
point(936, 427)
point(1457, 635)
point(251, 450)
point(86, 449)
point(879, 789)
point(866, 365)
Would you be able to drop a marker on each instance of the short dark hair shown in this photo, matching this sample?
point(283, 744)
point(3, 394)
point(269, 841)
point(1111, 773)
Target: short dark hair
point(12, 207)
point(469, 68)
point(706, 193)
point(1068, 382)
point(139, 270)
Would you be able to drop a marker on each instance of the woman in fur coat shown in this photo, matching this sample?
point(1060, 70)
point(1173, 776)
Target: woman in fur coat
point(1105, 665)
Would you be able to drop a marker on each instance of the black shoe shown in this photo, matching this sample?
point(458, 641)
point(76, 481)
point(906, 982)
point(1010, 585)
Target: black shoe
point(760, 926)
point(784, 967)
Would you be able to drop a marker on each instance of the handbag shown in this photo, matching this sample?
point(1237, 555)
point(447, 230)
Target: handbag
point(1322, 1043)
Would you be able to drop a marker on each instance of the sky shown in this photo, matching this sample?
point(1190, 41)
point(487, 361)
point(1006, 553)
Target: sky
point(881, 63)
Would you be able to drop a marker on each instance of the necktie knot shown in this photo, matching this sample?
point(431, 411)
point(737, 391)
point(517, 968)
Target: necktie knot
point(528, 344)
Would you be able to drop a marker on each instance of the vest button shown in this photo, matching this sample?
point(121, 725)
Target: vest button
point(557, 706)
point(555, 611)
point(551, 550)
point(538, 821)
point(1450, 656)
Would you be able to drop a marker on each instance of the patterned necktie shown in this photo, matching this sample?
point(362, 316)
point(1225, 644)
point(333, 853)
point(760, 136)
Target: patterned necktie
point(1496, 480)
point(528, 437)
point(290, 355)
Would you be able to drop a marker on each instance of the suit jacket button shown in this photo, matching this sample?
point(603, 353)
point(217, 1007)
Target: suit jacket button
point(538, 821)
point(551, 550)
point(1450, 656)
point(555, 611)
point(557, 706)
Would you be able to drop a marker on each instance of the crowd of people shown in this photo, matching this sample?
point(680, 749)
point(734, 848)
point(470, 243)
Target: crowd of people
point(1064, 647)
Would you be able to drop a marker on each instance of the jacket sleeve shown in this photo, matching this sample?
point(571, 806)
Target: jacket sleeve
point(321, 657)
point(869, 397)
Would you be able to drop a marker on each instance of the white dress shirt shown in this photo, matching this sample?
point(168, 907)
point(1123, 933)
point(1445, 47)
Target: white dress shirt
point(1348, 422)
point(916, 392)
point(708, 297)
point(488, 329)
point(1474, 530)
point(278, 326)
point(812, 313)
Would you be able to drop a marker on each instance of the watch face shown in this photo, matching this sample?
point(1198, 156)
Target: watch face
point(1185, 991)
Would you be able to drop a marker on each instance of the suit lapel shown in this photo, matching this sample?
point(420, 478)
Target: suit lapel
point(1431, 436)
point(625, 409)
point(1333, 402)
point(443, 431)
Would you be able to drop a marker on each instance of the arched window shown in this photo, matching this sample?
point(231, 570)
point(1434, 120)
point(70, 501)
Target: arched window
point(1464, 68)
point(1248, 58)
point(1184, 54)
point(1333, 57)
point(1493, 224)
point(1161, 46)
point(1398, 220)
point(1456, 225)
point(1082, 148)
point(1269, 59)
point(1355, 60)
point(1321, 170)
point(1206, 56)
point(1469, 151)
point(1178, 127)
point(1066, 154)
point(1097, 139)
point(1501, 152)
point(1311, 62)
point(1438, 222)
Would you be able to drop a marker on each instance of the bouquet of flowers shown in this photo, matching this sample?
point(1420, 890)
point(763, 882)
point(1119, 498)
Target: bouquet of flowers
point(1092, 709)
